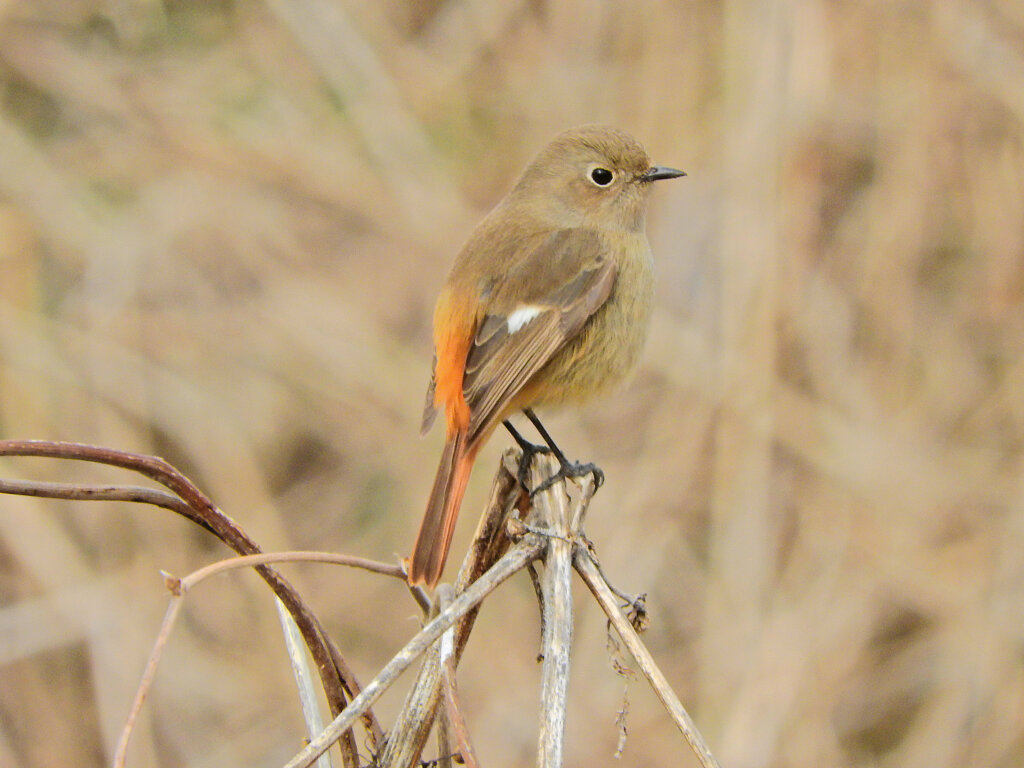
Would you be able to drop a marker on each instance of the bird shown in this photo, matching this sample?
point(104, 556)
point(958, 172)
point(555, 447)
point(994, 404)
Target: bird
point(547, 304)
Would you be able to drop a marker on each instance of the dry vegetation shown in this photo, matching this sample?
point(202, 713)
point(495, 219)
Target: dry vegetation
point(222, 227)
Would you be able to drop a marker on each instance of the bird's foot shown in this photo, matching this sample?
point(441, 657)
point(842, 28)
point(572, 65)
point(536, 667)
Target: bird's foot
point(567, 469)
point(529, 451)
point(571, 470)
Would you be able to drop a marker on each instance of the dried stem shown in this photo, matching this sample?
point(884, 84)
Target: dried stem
point(339, 683)
point(456, 718)
point(453, 717)
point(514, 560)
point(76, 492)
point(253, 561)
point(413, 724)
point(554, 532)
point(587, 569)
point(146, 683)
point(304, 684)
point(553, 511)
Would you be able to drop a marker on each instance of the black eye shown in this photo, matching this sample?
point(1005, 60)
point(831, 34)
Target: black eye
point(601, 176)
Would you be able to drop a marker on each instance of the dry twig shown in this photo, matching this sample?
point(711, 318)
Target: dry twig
point(413, 724)
point(552, 510)
point(515, 559)
point(553, 531)
point(587, 569)
point(339, 683)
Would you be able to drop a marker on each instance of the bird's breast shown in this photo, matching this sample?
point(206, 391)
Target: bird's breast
point(609, 346)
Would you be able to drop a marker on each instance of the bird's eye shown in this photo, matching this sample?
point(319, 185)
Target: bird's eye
point(601, 176)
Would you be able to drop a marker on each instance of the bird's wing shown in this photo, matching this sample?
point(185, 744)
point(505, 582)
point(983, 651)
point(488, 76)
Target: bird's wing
point(429, 406)
point(542, 303)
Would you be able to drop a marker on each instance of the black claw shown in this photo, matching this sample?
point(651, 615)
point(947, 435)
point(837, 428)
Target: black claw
point(572, 470)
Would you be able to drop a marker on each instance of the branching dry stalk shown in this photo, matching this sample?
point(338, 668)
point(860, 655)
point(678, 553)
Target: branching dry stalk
point(552, 532)
point(514, 560)
point(412, 726)
point(338, 681)
point(557, 519)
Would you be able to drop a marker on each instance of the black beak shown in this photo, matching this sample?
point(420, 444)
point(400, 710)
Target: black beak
point(659, 172)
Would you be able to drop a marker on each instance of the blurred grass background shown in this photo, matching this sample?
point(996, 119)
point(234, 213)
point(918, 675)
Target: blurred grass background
point(222, 228)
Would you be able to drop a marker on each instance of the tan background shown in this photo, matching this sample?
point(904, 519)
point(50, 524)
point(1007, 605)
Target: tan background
point(222, 228)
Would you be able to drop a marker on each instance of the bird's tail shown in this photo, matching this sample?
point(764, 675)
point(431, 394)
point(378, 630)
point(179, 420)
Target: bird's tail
point(430, 551)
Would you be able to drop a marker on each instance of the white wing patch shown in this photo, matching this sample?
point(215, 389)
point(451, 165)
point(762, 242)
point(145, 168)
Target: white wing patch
point(522, 316)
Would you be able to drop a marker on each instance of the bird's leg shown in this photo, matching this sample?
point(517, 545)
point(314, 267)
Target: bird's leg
point(529, 451)
point(567, 468)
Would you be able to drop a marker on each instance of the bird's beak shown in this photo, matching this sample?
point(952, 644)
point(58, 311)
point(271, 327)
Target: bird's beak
point(659, 172)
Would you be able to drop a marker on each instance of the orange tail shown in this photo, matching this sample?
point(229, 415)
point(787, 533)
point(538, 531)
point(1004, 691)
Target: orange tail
point(430, 551)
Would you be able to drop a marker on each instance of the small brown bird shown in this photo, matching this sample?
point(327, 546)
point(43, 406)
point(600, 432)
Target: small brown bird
point(548, 302)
